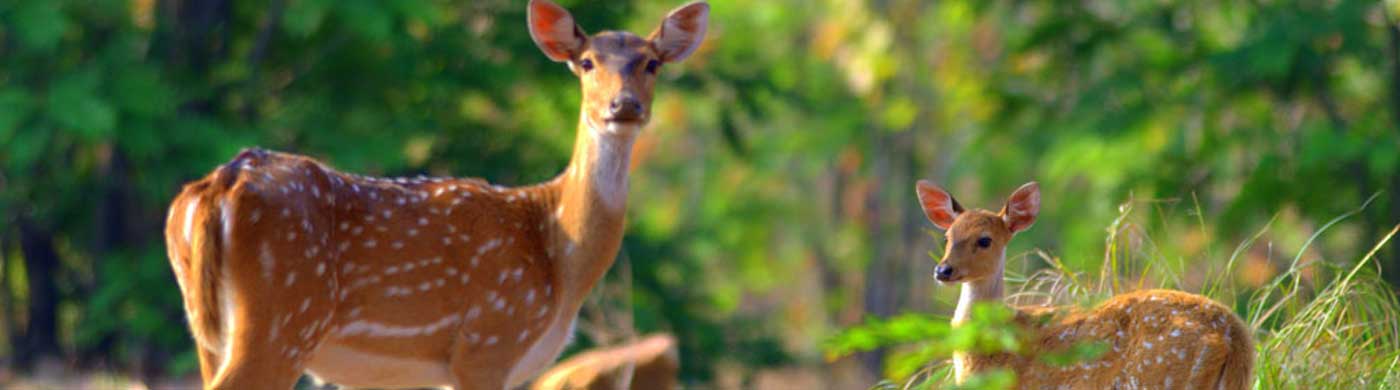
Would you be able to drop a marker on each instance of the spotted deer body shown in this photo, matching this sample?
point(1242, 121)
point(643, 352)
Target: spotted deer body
point(1157, 339)
point(289, 266)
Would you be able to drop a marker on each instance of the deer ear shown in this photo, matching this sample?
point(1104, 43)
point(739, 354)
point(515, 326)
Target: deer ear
point(554, 31)
point(681, 32)
point(939, 206)
point(1022, 207)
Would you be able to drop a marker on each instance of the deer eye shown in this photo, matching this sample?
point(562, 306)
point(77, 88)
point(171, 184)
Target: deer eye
point(586, 64)
point(984, 242)
point(652, 65)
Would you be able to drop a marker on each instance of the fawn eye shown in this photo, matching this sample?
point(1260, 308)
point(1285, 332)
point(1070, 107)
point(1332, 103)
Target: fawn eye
point(586, 64)
point(984, 242)
point(652, 65)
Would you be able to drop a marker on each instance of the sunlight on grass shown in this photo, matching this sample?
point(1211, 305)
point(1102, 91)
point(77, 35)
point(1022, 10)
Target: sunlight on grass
point(1346, 337)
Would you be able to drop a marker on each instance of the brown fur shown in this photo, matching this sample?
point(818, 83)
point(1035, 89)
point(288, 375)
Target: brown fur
point(651, 363)
point(196, 259)
point(287, 265)
point(1157, 338)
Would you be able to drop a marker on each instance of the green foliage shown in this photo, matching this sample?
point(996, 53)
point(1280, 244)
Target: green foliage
point(1078, 352)
point(924, 342)
point(989, 330)
point(39, 24)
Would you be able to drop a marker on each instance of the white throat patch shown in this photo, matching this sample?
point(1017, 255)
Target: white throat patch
point(611, 158)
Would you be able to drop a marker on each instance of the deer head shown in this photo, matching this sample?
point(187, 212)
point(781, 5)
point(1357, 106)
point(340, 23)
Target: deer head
point(617, 69)
point(976, 238)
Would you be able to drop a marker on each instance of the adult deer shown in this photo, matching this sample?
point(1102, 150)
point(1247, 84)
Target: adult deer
point(1160, 339)
point(288, 266)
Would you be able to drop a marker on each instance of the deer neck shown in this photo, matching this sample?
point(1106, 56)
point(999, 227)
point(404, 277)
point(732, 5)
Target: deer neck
point(590, 207)
point(987, 289)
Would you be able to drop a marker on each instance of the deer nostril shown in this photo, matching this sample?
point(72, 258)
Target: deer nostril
point(943, 272)
point(625, 107)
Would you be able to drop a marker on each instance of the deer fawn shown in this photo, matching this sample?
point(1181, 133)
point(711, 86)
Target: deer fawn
point(288, 266)
point(1160, 339)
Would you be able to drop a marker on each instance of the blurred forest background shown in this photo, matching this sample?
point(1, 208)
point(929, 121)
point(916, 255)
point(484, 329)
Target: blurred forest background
point(772, 201)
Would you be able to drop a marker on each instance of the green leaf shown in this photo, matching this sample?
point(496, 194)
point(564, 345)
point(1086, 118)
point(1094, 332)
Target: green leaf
point(40, 25)
point(186, 361)
point(368, 19)
point(303, 18)
point(26, 148)
point(1085, 351)
point(421, 11)
point(74, 104)
point(139, 90)
point(900, 113)
point(1383, 158)
point(143, 140)
point(17, 104)
point(996, 379)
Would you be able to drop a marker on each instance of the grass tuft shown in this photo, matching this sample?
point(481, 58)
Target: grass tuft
point(1347, 337)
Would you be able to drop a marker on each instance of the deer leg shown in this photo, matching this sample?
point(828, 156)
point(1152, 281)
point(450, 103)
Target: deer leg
point(1205, 369)
point(474, 370)
point(269, 346)
point(256, 364)
point(258, 360)
point(208, 364)
point(474, 378)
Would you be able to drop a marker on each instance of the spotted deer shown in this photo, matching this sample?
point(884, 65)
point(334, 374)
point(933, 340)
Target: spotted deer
point(289, 266)
point(1157, 339)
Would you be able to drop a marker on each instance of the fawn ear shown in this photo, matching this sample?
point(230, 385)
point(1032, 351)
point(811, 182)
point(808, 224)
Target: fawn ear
point(939, 206)
point(1022, 207)
point(681, 32)
point(554, 31)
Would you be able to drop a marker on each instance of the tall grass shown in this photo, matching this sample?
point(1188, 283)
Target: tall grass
point(1346, 337)
point(1336, 328)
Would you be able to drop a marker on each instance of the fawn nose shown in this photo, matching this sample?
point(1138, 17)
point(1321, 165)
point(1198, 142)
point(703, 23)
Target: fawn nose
point(625, 108)
point(943, 273)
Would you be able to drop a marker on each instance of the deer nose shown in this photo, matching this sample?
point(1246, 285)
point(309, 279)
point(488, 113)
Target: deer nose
point(625, 107)
point(943, 273)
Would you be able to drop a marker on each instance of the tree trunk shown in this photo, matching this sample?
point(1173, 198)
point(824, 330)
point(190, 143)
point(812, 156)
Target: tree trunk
point(7, 311)
point(41, 265)
point(879, 294)
point(110, 231)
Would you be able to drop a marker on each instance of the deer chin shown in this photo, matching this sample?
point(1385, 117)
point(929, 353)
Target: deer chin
point(959, 277)
point(610, 126)
point(952, 281)
point(627, 123)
